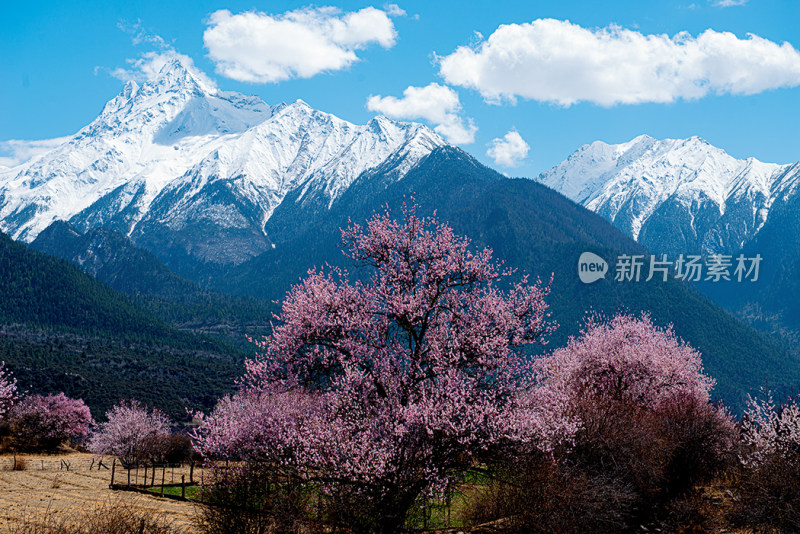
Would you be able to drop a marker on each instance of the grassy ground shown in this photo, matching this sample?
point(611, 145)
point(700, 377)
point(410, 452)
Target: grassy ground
point(191, 493)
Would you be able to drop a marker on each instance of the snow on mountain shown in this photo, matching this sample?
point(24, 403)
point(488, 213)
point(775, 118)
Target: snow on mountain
point(178, 157)
point(674, 195)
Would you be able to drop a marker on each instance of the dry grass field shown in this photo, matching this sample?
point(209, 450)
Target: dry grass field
point(45, 488)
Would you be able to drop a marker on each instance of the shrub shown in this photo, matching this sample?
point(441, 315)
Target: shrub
point(255, 498)
point(539, 495)
point(45, 421)
point(770, 462)
point(627, 359)
point(647, 432)
point(172, 449)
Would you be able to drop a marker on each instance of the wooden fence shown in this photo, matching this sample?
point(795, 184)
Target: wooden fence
point(55, 463)
point(159, 479)
point(149, 477)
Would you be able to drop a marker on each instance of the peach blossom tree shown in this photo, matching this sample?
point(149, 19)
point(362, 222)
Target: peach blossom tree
point(45, 421)
point(386, 385)
point(132, 432)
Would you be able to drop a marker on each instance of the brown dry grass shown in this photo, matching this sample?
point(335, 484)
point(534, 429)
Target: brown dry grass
point(55, 494)
point(43, 489)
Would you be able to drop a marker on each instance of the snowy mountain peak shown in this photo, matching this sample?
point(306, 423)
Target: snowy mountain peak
point(131, 88)
point(175, 154)
point(175, 76)
point(701, 197)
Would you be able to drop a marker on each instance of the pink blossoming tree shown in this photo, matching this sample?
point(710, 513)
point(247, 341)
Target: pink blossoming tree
point(45, 421)
point(132, 432)
point(388, 385)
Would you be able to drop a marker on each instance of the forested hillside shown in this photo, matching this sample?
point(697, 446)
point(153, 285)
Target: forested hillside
point(60, 329)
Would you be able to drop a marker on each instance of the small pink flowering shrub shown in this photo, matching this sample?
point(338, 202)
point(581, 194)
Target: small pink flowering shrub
point(45, 421)
point(381, 389)
point(768, 487)
point(642, 398)
point(630, 360)
point(769, 430)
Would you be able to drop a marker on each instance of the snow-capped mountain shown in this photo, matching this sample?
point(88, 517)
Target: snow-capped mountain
point(178, 164)
point(675, 195)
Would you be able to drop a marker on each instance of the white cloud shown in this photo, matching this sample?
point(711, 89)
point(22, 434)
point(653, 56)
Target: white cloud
point(557, 61)
point(141, 35)
point(147, 66)
point(393, 10)
point(435, 103)
point(508, 151)
point(16, 151)
point(257, 47)
point(729, 3)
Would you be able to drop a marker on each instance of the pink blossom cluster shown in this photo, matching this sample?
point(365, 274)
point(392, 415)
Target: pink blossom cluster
point(50, 418)
point(769, 430)
point(131, 433)
point(259, 425)
point(626, 358)
point(8, 389)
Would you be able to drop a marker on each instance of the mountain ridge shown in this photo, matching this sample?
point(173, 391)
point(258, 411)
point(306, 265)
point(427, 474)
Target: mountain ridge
point(675, 196)
point(114, 260)
point(176, 152)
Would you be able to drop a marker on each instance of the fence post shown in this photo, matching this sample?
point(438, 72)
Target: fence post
point(163, 472)
point(113, 468)
point(129, 475)
point(183, 486)
point(191, 473)
point(449, 504)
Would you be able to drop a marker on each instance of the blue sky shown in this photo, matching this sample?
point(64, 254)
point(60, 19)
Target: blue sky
point(614, 71)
